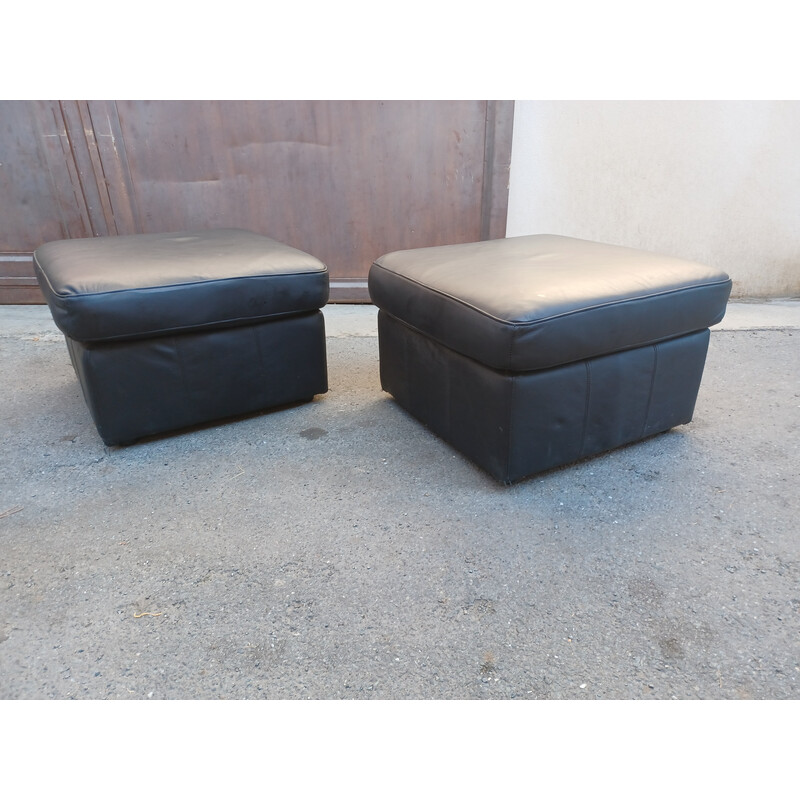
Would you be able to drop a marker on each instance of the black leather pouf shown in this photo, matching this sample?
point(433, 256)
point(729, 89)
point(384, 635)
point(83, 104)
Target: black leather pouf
point(170, 330)
point(531, 352)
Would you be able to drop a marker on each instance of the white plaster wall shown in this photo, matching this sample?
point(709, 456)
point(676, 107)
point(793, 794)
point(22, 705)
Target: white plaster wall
point(712, 181)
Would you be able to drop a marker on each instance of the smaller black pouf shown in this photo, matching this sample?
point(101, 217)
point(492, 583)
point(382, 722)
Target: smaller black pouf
point(169, 330)
point(531, 352)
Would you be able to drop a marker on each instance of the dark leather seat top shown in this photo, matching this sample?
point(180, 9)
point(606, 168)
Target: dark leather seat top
point(121, 287)
point(531, 302)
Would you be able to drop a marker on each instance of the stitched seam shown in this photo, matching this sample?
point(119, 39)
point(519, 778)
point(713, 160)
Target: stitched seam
point(208, 282)
point(257, 340)
point(202, 326)
point(586, 407)
point(509, 438)
point(179, 357)
point(650, 395)
point(38, 267)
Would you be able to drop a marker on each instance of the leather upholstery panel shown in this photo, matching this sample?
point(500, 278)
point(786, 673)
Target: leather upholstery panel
point(532, 302)
point(121, 287)
point(516, 425)
point(138, 388)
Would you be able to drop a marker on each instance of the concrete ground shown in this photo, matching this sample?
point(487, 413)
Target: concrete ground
point(339, 550)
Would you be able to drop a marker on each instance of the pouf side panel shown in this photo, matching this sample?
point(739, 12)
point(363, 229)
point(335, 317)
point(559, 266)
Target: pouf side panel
point(540, 344)
point(680, 366)
point(548, 420)
point(580, 410)
point(625, 326)
point(459, 400)
point(619, 389)
point(143, 387)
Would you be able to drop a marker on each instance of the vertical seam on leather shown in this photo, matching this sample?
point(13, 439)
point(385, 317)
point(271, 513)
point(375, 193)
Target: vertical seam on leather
point(509, 439)
point(179, 358)
point(405, 344)
point(260, 352)
point(650, 394)
point(586, 407)
point(448, 394)
point(510, 406)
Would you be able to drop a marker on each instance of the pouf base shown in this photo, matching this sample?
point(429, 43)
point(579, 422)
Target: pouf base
point(514, 425)
point(141, 387)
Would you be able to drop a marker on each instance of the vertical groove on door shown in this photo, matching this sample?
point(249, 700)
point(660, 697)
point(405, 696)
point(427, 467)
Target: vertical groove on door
point(496, 168)
point(88, 182)
point(114, 167)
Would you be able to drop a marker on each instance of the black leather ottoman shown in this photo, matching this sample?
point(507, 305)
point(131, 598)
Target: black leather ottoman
point(532, 352)
point(175, 329)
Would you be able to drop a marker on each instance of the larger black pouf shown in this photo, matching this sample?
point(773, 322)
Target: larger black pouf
point(531, 352)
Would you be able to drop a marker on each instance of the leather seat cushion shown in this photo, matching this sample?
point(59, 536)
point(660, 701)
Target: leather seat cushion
point(533, 302)
point(143, 285)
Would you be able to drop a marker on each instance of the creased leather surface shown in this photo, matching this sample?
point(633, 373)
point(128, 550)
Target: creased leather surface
point(121, 287)
point(533, 302)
